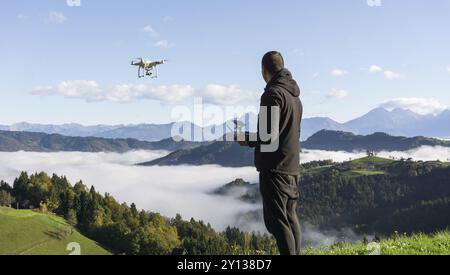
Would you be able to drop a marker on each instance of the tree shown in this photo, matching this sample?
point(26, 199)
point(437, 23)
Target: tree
point(134, 210)
point(71, 217)
point(6, 199)
point(5, 187)
point(234, 236)
point(20, 188)
point(43, 208)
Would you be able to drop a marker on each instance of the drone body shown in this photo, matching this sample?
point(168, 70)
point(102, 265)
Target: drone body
point(147, 67)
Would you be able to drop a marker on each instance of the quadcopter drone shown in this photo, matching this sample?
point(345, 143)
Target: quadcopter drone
point(147, 67)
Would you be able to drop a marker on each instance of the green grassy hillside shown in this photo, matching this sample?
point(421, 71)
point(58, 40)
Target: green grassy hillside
point(24, 232)
point(417, 244)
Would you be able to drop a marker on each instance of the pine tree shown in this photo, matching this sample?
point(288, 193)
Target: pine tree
point(71, 217)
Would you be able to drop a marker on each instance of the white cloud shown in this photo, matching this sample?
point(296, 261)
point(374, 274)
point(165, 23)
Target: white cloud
point(90, 91)
point(21, 16)
point(167, 94)
point(298, 52)
point(167, 19)
point(54, 17)
point(227, 95)
point(388, 74)
point(375, 69)
point(164, 44)
point(87, 89)
point(160, 43)
point(448, 69)
point(338, 72)
point(339, 94)
point(150, 30)
point(418, 105)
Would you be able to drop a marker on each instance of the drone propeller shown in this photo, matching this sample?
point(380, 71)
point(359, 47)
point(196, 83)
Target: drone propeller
point(137, 60)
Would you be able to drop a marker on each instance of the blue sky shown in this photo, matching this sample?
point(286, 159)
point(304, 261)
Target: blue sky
point(64, 64)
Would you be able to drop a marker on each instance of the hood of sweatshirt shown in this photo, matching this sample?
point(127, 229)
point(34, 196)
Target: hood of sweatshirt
point(284, 80)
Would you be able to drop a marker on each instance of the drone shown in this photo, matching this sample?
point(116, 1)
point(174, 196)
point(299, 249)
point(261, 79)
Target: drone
point(147, 67)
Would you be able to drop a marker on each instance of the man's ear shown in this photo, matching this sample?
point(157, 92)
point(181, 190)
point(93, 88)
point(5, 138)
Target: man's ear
point(265, 74)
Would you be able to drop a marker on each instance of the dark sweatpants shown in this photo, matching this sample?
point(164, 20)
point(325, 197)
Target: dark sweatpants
point(280, 195)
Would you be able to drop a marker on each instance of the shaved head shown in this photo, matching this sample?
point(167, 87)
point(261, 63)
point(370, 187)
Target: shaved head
point(273, 62)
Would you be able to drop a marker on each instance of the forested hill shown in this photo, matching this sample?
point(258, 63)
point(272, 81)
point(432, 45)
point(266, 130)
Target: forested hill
point(233, 155)
point(227, 154)
point(346, 141)
point(120, 227)
point(371, 195)
point(40, 142)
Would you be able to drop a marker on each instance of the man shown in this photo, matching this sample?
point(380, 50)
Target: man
point(277, 158)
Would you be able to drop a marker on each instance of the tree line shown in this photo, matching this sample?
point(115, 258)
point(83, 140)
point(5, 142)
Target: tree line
point(410, 197)
point(124, 229)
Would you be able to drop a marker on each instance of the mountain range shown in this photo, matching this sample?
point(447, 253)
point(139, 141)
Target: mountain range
point(40, 142)
point(398, 122)
point(229, 154)
point(349, 142)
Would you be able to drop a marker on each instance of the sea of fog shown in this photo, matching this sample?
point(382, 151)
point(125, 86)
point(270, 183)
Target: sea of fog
point(169, 190)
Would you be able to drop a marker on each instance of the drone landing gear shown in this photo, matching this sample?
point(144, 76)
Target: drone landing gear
point(140, 74)
point(151, 74)
point(147, 72)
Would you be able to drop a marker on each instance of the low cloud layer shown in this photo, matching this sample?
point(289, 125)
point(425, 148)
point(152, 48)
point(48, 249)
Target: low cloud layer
point(171, 190)
point(424, 153)
point(168, 190)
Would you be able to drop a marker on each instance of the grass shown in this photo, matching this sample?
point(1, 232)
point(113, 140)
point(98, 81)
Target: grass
point(372, 160)
point(353, 173)
point(417, 244)
point(25, 232)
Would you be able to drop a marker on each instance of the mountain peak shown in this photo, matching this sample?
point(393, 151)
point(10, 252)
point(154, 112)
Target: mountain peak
point(404, 111)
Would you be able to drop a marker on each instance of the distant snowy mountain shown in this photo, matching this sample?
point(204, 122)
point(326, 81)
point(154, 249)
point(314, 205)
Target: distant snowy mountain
point(395, 122)
point(71, 129)
point(145, 132)
point(398, 122)
point(310, 126)
point(401, 122)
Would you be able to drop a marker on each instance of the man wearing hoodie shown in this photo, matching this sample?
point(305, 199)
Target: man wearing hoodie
point(277, 148)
